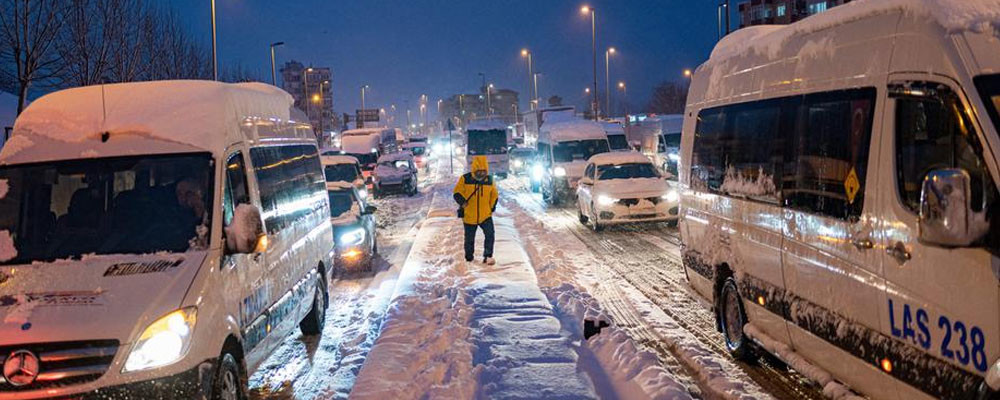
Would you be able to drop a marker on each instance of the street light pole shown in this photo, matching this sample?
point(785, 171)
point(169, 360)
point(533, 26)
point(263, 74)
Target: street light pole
point(621, 85)
point(531, 95)
point(489, 102)
point(215, 56)
point(537, 102)
point(305, 92)
point(607, 80)
point(595, 104)
point(274, 76)
point(363, 89)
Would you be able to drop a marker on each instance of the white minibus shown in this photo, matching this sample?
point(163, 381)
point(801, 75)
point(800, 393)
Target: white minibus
point(157, 240)
point(840, 203)
point(564, 146)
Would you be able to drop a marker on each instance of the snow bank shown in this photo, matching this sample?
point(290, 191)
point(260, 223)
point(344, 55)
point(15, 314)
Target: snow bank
point(199, 114)
point(831, 388)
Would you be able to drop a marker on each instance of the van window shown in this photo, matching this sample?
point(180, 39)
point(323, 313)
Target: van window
point(236, 191)
point(292, 185)
point(827, 156)
point(934, 132)
point(121, 205)
point(578, 150)
point(797, 151)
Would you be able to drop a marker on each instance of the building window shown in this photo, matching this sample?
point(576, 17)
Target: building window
point(817, 8)
point(781, 10)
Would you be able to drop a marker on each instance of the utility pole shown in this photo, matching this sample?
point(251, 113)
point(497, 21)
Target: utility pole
point(215, 56)
point(274, 76)
point(595, 103)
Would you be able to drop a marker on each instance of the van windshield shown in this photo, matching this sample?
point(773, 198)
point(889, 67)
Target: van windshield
point(618, 142)
point(578, 150)
point(341, 172)
point(989, 89)
point(121, 205)
point(626, 171)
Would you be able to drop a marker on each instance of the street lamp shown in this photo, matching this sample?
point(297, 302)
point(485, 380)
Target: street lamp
point(215, 57)
point(607, 79)
point(363, 89)
point(687, 73)
point(533, 95)
point(593, 41)
point(274, 77)
point(624, 89)
point(489, 102)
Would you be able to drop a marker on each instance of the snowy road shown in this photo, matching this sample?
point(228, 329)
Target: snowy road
point(633, 272)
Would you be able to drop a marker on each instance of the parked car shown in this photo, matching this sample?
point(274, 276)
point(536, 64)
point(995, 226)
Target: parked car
point(624, 187)
point(850, 219)
point(175, 259)
point(344, 169)
point(353, 222)
point(395, 173)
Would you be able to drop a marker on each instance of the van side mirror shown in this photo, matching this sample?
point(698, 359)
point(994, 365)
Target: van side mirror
point(369, 210)
point(946, 216)
point(245, 234)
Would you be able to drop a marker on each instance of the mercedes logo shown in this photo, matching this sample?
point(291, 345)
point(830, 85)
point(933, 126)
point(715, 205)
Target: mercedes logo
point(21, 368)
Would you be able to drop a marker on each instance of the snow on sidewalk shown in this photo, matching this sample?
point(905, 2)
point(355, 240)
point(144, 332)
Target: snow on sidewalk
point(458, 330)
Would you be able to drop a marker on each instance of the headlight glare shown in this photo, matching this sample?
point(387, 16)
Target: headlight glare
point(536, 172)
point(671, 196)
point(606, 200)
point(559, 171)
point(163, 342)
point(353, 237)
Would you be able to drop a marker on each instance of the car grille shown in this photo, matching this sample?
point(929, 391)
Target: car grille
point(632, 202)
point(64, 363)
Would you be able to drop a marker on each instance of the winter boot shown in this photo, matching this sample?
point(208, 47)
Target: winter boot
point(489, 261)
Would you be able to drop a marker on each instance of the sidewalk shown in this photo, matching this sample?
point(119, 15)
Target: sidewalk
point(458, 330)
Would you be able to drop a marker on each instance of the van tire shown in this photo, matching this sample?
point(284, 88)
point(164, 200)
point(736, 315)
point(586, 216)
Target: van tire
point(229, 382)
point(732, 318)
point(313, 323)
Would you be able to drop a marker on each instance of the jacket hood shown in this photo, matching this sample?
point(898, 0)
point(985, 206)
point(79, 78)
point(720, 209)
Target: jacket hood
point(479, 163)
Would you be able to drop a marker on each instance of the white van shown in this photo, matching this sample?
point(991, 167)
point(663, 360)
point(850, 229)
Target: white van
point(387, 138)
point(563, 150)
point(157, 240)
point(488, 137)
point(840, 202)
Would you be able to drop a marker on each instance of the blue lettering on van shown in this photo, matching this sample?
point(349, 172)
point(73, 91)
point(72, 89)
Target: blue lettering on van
point(959, 342)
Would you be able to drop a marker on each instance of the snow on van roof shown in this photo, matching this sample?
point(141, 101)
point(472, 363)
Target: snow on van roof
point(575, 129)
point(613, 128)
point(362, 131)
point(953, 15)
point(359, 144)
point(336, 160)
point(486, 125)
point(141, 118)
point(620, 157)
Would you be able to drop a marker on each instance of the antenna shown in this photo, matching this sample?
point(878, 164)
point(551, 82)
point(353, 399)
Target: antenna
point(104, 106)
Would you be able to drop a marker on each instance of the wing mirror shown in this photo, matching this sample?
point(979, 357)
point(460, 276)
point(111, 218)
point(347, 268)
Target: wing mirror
point(946, 216)
point(245, 234)
point(586, 181)
point(369, 210)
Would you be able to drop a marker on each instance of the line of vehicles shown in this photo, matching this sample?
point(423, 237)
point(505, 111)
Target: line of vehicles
point(148, 256)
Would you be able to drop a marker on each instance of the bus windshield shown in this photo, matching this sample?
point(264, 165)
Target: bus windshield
point(121, 205)
point(487, 142)
point(578, 150)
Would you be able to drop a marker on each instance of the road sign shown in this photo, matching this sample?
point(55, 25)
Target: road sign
point(369, 115)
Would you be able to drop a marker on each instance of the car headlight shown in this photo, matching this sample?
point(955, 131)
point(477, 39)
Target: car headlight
point(518, 164)
point(353, 237)
point(559, 172)
point(363, 193)
point(671, 196)
point(536, 172)
point(606, 200)
point(163, 342)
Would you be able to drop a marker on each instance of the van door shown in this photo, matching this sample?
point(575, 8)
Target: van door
point(831, 269)
point(245, 284)
point(941, 308)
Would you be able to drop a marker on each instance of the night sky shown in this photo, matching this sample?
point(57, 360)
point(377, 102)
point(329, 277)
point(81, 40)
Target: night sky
point(405, 48)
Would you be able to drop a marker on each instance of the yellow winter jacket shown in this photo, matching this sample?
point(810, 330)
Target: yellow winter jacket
point(479, 197)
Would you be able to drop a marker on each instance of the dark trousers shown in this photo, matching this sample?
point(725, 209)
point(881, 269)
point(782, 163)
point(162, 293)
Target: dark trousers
point(470, 239)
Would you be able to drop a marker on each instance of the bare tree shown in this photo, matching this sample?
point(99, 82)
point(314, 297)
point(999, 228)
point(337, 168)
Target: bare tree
point(668, 98)
point(170, 51)
point(29, 29)
point(239, 73)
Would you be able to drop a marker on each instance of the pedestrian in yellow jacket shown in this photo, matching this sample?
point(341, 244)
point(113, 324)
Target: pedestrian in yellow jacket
point(477, 197)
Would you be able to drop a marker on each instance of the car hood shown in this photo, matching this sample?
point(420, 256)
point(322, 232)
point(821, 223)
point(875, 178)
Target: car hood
point(97, 297)
point(632, 188)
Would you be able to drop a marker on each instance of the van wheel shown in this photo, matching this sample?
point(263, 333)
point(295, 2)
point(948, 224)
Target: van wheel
point(229, 381)
point(579, 213)
point(732, 318)
point(312, 324)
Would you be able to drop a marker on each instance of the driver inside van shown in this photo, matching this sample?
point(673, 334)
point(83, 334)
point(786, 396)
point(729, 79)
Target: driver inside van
point(190, 194)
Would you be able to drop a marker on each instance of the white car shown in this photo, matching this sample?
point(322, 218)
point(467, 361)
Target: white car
point(624, 187)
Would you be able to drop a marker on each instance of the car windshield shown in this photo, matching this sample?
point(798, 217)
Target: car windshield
point(618, 142)
point(989, 89)
point(341, 172)
point(340, 202)
point(122, 205)
point(487, 142)
point(578, 150)
point(366, 160)
point(626, 171)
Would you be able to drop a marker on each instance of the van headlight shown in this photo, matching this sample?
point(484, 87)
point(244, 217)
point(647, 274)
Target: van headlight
point(536, 172)
point(164, 342)
point(518, 164)
point(353, 237)
point(559, 172)
point(671, 196)
point(606, 200)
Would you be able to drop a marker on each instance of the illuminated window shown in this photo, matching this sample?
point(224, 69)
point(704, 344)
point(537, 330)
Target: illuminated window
point(817, 8)
point(781, 10)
